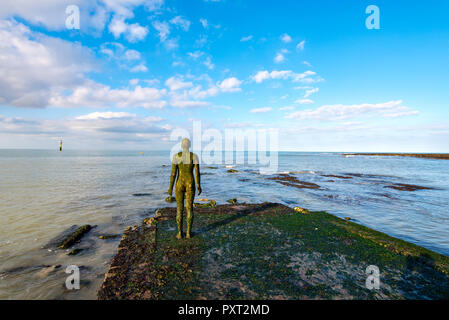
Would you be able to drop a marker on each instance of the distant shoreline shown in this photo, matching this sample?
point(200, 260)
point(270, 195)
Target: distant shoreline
point(441, 156)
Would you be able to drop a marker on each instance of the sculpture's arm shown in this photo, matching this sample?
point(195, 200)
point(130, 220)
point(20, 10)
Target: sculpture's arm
point(174, 172)
point(197, 173)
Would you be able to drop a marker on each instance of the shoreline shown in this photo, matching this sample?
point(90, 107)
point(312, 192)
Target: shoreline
point(441, 156)
point(268, 251)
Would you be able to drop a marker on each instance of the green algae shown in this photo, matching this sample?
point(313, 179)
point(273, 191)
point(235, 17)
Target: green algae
point(210, 204)
point(74, 252)
point(75, 236)
point(268, 251)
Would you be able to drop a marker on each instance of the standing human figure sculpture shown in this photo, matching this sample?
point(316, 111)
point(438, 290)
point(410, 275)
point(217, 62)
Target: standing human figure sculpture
point(183, 164)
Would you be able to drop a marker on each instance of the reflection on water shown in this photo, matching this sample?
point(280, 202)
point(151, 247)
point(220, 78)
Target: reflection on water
point(42, 193)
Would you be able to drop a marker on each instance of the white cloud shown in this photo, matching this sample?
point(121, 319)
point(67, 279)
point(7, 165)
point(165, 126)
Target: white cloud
point(230, 85)
point(389, 109)
point(151, 82)
point(204, 23)
point(261, 76)
point(286, 38)
point(184, 95)
point(171, 44)
point(115, 50)
point(188, 103)
point(93, 94)
point(125, 58)
point(244, 39)
point(136, 32)
point(34, 67)
point(163, 29)
point(139, 68)
point(279, 58)
point(288, 108)
point(132, 55)
point(300, 46)
point(94, 13)
point(181, 22)
point(49, 13)
point(195, 55)
point(117, 27)
point(132, 32)
point(106, 115)
point(201, 41)
point(125, 8)
point(208, 63)
point(175, 83)
point(302, 88)
point(261, 110)
point(309, 92)
point(307, 64)
point(304, 101)
point(283, 74)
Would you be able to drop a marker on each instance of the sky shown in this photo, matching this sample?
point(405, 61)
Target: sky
point(136, 70)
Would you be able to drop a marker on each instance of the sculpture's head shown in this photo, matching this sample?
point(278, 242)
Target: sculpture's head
point(185, 144)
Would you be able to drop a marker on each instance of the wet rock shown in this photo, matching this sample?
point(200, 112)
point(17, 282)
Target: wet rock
point(75, 236)
point(108, 236)
point(232, 171)
point(232, 201)
point(22, 269)
point(56, 241)
point(74, 252)
point(225, 259)
point(407, 187)
point(291, 181)
point(142, 194)
point(213, 168)
point(46, 271)
point(210, 204)
point(149, 221)
point(336, 176)
point(369, 176)
point(301, 210)
point(170, 199)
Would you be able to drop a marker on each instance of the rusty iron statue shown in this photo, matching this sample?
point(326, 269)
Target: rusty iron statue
point(183, 164)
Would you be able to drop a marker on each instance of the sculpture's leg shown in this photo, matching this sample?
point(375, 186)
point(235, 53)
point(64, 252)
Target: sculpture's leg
point(179, 209)
point(189, 206)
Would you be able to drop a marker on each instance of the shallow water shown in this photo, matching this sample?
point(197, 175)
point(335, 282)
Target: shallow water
point(42, 193)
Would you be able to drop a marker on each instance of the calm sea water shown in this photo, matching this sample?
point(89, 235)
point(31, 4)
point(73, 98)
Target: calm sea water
point(43, 193)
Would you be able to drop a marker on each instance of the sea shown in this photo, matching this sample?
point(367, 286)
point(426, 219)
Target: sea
point(44, 192)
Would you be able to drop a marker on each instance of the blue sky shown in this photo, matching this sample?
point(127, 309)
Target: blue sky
point(136, 70)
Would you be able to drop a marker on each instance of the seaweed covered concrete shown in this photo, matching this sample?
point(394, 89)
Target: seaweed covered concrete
point(268, 251)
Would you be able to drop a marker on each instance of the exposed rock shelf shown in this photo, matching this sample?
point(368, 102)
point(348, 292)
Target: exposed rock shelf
point(268, 251)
